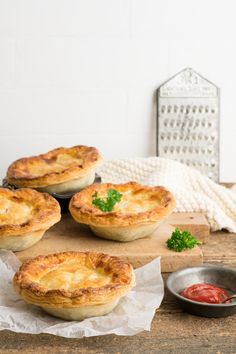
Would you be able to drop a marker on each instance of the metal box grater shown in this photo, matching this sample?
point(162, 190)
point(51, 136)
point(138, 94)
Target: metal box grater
point(188, 122)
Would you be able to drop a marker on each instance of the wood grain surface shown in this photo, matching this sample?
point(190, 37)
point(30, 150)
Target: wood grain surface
point(173, 331)
point(68, 235)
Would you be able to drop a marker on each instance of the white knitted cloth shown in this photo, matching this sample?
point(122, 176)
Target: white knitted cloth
point(193, 191)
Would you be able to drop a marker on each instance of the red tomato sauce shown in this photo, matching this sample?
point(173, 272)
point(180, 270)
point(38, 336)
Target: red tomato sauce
point(208, 293)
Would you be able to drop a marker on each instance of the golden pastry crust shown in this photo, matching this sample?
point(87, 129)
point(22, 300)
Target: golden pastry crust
point(25, 210)
point(56, 166)
point(139, 205)
point(73, 279)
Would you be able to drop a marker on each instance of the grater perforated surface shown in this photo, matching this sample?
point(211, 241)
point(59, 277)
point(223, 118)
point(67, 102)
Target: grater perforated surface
point(188, 122)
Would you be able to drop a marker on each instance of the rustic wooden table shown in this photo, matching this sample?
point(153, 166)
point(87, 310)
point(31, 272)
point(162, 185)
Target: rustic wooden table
point(173, 331)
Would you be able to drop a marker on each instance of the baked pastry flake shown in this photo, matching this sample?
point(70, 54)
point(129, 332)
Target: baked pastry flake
point(138, 213)
point(25, 215)
point(58, 171)
point(74, 285)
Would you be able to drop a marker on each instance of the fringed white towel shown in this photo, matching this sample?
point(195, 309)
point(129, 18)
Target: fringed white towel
point(193, 191)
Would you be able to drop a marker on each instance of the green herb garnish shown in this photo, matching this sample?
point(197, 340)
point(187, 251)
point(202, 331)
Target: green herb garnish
point(180, 241)
point(106, 205)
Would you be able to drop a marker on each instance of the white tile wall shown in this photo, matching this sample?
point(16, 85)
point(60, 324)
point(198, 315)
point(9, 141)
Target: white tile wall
point(64, 17)
point(72, 62)
point(7, 62)
point(61, 112)
point(86, 71)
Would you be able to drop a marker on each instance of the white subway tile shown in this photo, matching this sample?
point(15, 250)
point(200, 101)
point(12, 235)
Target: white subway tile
point(200, 20)
point(148, 62)
point(142, 111)
point(172, 19)
point(85, 63)
point(72, 62)
point(7, 62)
point(49, 112)
point(64, 17)
point(149, 18)
point(206, 56)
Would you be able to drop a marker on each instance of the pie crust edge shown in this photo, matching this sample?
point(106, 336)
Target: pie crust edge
point(49, 212)
point(16, 176)
point(84, 213)
point(37, 294)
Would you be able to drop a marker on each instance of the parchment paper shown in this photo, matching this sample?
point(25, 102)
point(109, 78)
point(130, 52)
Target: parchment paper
point(133, 314)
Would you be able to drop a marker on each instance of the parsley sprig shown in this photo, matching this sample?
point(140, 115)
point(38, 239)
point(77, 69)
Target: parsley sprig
point(180, 241)
point(106, 205)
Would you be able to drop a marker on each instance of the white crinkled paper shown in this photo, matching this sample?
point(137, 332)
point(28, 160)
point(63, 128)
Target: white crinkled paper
point(133, 314)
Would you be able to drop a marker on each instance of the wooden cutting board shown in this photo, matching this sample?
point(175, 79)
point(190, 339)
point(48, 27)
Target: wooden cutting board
point(68, 235)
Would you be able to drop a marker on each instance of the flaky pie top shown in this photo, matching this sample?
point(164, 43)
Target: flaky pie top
point(73, 278)
point(72, 275)
point(56, 166)
point(25, 210)
point(138, 204)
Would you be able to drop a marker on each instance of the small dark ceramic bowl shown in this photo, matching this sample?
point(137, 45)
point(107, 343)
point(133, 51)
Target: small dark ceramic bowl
point(219, 276)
